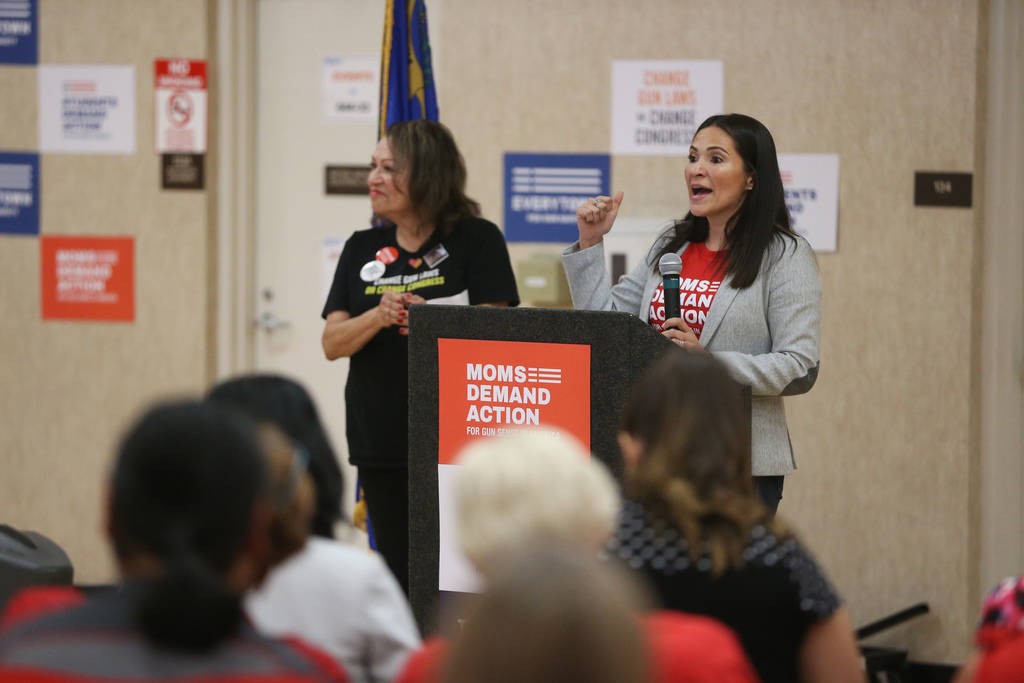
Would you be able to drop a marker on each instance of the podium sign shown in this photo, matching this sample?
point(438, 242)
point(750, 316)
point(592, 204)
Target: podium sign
point(488, 388)
point(478, 370)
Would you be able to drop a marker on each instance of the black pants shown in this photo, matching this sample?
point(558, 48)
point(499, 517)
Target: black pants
point(387, 500)
point(770, 491)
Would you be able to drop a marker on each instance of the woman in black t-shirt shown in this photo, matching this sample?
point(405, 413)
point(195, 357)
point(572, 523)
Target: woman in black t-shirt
point(435, 248)
point(694, 527)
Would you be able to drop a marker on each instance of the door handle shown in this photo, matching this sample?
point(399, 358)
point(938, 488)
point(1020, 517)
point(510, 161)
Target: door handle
point(268, 322)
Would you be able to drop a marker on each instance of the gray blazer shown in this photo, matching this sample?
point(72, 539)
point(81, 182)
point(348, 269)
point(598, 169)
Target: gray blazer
point(767, 335)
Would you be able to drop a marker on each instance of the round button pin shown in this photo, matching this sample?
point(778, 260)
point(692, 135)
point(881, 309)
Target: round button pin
point(371, 270)
point(387, 255)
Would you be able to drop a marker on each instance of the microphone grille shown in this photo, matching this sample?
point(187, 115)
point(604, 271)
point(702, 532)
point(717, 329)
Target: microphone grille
point(670, 264)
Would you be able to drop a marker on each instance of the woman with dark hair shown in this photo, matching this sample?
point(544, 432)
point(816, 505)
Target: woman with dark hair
point(191, 510)
point(693, 526)
point(434, 247)
point(749, 288)
point(285, 403)
point(338, 597)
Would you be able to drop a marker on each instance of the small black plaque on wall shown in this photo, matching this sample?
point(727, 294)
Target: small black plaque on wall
point(346, 179)
point(943, 189)
point(182, 171)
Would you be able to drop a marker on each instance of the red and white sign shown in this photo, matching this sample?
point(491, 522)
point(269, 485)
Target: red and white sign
point(493, 387)
point(181, 106)
point(88, 278)
point(487, 388)
point(350, 88)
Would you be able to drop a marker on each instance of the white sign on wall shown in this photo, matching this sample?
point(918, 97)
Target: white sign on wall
point(350, 88)
point(811, 182)
point(330, 254)
point(87, 109)
point(657, 105)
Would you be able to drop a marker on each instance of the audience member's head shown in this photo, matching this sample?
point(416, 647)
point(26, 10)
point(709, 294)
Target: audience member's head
point(284, 402)
point(189, 520)
point(291, 493)
point(531, 486)
point(685, 440)
point(552, 614)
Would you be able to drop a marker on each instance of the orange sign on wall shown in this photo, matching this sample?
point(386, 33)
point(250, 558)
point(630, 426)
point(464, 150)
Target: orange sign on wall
point(495, 387)
point(88, 278)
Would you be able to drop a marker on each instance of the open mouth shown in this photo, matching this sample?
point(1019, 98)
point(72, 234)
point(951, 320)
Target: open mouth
point(700, 191)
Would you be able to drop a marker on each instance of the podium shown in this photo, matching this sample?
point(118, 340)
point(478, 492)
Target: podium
point(544, 348)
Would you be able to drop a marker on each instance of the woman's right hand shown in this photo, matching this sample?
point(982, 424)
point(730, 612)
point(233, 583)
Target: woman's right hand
point(391, 309)
point(595, 217)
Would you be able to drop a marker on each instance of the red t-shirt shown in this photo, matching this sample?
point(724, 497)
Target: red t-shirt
point(698, 284)
point(684, 648)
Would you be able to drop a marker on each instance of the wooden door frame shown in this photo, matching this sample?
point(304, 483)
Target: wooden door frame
point(233, 175)
point(997, 521)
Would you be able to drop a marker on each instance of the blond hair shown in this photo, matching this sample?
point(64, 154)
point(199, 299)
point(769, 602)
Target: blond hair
point(529, 487)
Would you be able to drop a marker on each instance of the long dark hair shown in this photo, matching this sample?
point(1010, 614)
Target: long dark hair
point(436, 171)
point(286, 403)
point(185, 485)
point(689, 416)
point(761, 216)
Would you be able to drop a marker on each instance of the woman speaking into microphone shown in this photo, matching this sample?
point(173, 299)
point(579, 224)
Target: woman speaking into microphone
point(434, 247)
point(749, 288)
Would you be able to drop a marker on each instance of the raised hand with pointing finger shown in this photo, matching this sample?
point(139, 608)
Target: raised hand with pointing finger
point(595, 217)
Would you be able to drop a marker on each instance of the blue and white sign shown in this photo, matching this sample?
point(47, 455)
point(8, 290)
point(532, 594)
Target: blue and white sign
point(811, 183)
point(19, 193)
point(87, 109)
point(542, 192)
point(19, 32)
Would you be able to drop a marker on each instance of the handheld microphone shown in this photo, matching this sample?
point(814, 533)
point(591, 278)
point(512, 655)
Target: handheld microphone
point(670, 265)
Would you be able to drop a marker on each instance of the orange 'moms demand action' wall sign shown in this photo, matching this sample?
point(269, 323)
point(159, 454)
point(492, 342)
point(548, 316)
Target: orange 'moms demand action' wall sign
point(88, 278)
point(494, 387)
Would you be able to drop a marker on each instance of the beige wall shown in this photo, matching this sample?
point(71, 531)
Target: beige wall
point(888, 486)
point(883, 442)
point(67, 388)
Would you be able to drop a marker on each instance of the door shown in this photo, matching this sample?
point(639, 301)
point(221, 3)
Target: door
point(294, 141)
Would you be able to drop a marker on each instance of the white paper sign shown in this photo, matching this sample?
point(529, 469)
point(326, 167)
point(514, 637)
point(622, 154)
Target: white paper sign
point(454, 571)
point(330, 254)
point(87, 109)
point(351, 87)
point(811, 182)
point(657, 105)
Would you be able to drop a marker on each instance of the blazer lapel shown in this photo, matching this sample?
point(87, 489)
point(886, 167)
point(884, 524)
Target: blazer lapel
point(719, 305)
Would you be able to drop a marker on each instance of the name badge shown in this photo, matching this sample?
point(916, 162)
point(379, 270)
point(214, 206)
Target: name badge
point(435, 255)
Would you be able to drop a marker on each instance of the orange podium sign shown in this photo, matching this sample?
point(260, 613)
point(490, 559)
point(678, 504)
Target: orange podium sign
point(488, 387)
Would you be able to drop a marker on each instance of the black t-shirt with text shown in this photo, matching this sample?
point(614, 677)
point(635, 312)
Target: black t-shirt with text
point(470, 265)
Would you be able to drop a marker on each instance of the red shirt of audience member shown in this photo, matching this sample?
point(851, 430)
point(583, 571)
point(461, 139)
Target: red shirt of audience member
point(684, 649)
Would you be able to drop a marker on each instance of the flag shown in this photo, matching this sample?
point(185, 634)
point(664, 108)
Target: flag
point(407, 76)
point(406, 93)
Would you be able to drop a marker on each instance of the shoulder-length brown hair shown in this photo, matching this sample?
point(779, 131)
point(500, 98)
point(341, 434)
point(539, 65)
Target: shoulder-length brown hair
point(691, 419)
point(426, 151)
